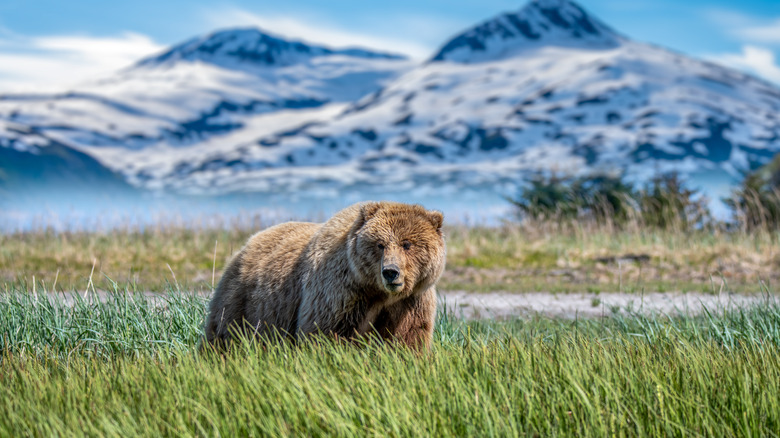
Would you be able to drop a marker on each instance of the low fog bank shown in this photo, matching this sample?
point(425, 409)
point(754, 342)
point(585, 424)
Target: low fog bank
point(97, 210)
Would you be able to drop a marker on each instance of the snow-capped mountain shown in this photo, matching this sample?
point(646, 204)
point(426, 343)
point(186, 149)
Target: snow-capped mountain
point(542, 23)
point(40, 167)
point(250, 48)
point(546, 88)
point(205, 87)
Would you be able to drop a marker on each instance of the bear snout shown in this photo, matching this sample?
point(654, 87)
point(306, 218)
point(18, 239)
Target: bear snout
point(390, 273)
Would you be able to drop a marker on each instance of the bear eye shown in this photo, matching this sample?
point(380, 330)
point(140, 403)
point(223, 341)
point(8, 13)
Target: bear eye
point(406, 244)
point(380, 246)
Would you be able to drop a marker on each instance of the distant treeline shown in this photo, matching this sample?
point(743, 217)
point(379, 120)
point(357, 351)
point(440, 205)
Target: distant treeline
point(665, 202)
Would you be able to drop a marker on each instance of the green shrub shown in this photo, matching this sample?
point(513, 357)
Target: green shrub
point(605, 199)
point(756, 203)
point(665, 202)
point(547, 198)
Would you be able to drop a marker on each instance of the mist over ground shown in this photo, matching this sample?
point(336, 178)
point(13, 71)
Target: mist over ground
point(99, 211)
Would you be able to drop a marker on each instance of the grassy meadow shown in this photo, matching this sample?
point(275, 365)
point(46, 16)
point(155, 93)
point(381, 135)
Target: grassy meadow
point(512, 258)
point(129, 366)
point(99, 334)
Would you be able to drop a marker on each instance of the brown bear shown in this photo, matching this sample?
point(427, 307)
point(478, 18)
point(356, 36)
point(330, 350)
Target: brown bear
point(371, 268)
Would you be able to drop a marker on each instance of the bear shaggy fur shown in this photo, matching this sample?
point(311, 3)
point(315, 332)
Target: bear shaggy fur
point(371, 268)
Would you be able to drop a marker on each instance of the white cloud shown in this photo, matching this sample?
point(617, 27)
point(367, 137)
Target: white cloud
point(746, 28)
point(756, 60)
point(757, 34)
point(766, 33)
point(52, 62)
point(315, 31)
point(728, 18)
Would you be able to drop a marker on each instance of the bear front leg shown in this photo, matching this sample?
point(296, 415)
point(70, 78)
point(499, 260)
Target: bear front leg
point(411, 321)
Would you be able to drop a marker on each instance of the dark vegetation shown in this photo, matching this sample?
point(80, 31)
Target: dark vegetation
point(664, 203)
point(756, 203)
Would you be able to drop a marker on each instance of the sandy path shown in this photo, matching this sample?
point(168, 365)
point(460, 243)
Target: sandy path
point(504, 305)
point(570, 305)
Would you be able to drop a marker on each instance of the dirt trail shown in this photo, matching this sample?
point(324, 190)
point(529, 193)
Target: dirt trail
point(502, 305)
point(570, 305)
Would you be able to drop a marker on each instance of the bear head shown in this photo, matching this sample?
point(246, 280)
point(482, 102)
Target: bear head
point(398, 248)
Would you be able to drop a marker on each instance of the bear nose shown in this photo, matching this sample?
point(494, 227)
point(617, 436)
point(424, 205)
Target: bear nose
point(390, 273)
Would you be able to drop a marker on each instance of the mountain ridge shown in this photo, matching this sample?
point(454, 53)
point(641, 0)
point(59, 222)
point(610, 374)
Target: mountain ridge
point(628, 106)
point(252, 45)
point(539, 23)
point(546, 88)
point(182, 102)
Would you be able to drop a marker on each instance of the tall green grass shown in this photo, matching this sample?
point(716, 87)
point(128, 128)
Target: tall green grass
point(129, 366)
point(121, 322)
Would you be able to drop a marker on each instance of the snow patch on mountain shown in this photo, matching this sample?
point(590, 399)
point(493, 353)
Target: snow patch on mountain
point(197, 91)
point(250, 47)
point(634, 108)
point(541, 23)
point(548, 88)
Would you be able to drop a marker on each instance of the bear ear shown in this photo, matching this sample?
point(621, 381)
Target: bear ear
point(436, 218)
point(367, 211)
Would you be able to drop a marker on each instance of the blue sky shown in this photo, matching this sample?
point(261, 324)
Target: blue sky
point(47, 44)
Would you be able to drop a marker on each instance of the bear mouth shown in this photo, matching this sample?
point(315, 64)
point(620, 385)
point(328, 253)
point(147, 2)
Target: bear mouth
point(393, 287)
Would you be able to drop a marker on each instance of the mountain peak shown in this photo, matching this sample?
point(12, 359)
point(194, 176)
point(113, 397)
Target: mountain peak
point(251, 46)
point(539, 23)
